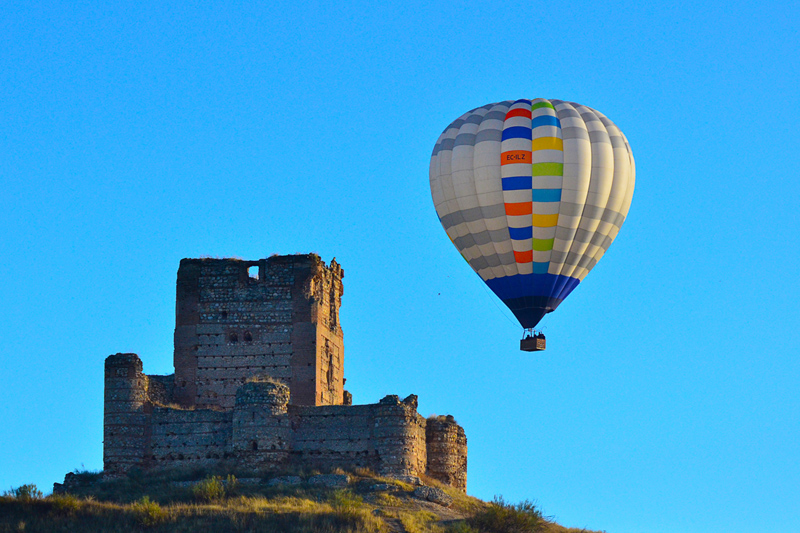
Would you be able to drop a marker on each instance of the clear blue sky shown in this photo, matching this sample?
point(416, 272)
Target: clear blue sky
point(668, 398)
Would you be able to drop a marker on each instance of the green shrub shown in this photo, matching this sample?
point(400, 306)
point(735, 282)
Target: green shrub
point(25, 493)
point(209, 490)
point(231, 485)
point(65, 504)
point(349, 514)
point(419, 521)
point(345, 503)
point(502, 517)
point(460, 527)
point(148, 513)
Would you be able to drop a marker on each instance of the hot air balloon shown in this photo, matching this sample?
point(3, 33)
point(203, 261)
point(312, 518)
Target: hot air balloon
point(532, 193)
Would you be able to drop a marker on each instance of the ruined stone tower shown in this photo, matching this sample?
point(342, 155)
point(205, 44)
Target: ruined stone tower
point(276, 317)
point(259, 384)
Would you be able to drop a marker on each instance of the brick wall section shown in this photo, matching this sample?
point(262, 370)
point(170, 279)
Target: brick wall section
point(187, 438)
point(447, 451)
point(388, 437)
point(284, 323)
point(160, 389)
point(331, 436)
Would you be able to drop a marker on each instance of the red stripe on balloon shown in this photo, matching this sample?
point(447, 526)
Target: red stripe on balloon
point(518, 112)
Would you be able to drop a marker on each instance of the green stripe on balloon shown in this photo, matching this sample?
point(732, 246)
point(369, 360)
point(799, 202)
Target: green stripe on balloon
point(537, 105)
point(547, 169)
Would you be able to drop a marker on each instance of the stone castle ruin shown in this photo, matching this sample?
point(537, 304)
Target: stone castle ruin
point(259, 384)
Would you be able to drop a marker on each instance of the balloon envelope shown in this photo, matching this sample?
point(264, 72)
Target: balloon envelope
point(532, 193)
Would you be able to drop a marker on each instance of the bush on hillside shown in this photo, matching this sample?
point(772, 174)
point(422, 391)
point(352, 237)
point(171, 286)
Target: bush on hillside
point(210, 489)
point(148, 513)
point(25, 493)
point(503, 517)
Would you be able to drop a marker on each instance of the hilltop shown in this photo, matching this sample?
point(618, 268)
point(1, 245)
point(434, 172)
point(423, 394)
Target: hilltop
point(354, 502)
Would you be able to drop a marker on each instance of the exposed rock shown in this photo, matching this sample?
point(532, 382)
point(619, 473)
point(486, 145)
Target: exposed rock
point(74, 481)
point(330, 480)
point(69, 483)
point(284, 480)
point(390, 399)
point(385, 487)
point(412, 401)
point(411, 480)
point(432, 494)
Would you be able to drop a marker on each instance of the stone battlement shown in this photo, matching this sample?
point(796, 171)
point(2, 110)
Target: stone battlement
point(259, 384)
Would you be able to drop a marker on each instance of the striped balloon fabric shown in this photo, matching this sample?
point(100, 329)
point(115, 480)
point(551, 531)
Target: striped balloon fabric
point(532, 193)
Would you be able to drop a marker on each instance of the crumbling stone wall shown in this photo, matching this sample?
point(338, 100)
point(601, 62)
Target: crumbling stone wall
point(388, 437)
point(139, 432)
point(282, 322)
point(447, 451)
point(160, 389)
point(262, 432)
point(186, 438)
point(259, 381)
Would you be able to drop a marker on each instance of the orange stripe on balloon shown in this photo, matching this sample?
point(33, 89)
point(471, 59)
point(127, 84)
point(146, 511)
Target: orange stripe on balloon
point(519, 208)
point(510, 157)
point(523, 257)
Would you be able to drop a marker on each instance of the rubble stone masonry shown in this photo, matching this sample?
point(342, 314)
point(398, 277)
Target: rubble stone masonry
point(275, 317)
point(259, 384)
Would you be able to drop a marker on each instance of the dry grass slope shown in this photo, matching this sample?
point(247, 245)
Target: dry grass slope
point(225, 504)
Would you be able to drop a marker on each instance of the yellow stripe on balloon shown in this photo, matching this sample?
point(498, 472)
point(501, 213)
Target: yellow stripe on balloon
point(548, 143)
point(545, 221)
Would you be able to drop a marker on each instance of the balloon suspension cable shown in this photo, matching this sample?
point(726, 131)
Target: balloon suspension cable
point(492, 296)
point(532, 333)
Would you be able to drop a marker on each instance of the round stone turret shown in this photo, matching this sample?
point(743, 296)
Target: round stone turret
point(270, 395)
point(125, 420)
point(399, 434)
point(447, 451)
point(261, 427)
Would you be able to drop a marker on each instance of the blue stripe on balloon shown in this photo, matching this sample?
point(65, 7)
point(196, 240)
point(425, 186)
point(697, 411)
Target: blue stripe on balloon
point(563, 288)
point(519, 234)
point(517, 132)
point(522, 101)
point(545, 195)
point(540, 268)
point(545, 120)
point(516, 183)
point(521, 285)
